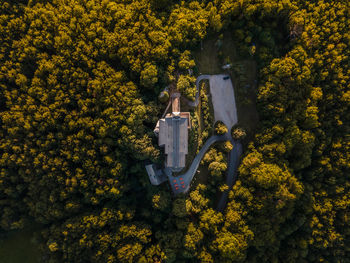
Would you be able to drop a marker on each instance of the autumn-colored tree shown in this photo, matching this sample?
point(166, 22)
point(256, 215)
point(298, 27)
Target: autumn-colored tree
point(78, 101)
point(185, 84)
point(220, 128)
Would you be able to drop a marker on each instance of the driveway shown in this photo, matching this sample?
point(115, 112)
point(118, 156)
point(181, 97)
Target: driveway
point(199, 79)
point(231, 175)
point(181, 183)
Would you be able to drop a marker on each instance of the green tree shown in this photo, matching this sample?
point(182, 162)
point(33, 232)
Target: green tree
point(220, 128)
point(185, 84)
point(149, 75)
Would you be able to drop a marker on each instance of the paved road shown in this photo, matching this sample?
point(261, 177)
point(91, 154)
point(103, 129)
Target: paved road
point(231, 175)
point(181, 183)
point(199, 79)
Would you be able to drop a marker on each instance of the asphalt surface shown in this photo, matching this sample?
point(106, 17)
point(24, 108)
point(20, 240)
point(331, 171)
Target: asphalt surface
point(222, 96)
point(182, 183)
point(231, 175)
point(223, 99)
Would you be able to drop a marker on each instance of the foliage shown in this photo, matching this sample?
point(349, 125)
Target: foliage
point(163, 96)
point(149, 75)
point(185, 61)
point(238, 133)
point(206, 112)
point(220, 128)
point(78, 86)
point(227, 146)
point(185, 84)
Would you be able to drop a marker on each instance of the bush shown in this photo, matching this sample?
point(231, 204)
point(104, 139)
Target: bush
point(220, 128)
point(227, 146)
point(238, 133)
point(163, 96)
point(185, 84)
point(149, 75)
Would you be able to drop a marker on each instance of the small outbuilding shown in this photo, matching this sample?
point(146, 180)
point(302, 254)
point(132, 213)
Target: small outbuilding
point(156, 176)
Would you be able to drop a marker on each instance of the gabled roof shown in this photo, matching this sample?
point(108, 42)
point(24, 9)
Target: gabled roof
point(173, 135)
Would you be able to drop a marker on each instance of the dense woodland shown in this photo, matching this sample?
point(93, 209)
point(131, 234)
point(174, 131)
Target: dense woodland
point(79, 82)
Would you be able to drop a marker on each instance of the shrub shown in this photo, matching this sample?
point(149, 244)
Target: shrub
point(220, 128)
point(163, 96)
point(238, 133)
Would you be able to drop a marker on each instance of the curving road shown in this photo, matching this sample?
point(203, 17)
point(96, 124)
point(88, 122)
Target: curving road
point(181, 183)
point(199, 79)
point(231, 175)
point(233, 157)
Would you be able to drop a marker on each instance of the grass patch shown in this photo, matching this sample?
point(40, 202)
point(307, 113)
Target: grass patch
point(201, 176)
point(206, 58)
point(210, 104)
point(200, 117)
point(19, 246)
point(245, 86)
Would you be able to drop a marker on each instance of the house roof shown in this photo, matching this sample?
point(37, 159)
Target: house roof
point(173, 135)
point(155, 175)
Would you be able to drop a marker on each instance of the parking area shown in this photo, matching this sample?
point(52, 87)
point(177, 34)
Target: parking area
point(223, 99)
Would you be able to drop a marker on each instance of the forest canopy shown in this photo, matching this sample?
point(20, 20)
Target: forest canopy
point(79, 82)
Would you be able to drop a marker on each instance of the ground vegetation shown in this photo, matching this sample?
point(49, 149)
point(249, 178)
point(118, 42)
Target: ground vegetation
point(79, 82)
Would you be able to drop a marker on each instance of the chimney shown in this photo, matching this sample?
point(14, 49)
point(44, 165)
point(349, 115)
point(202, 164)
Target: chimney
point(175, 103)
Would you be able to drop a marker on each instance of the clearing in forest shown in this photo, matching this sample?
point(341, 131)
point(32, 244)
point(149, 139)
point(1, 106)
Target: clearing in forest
point(210, 57)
